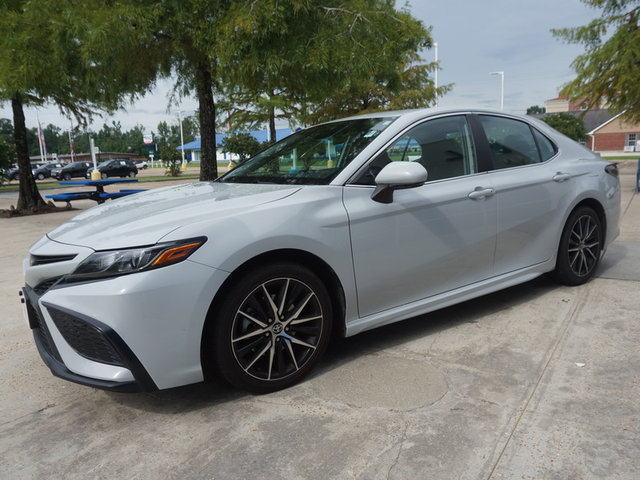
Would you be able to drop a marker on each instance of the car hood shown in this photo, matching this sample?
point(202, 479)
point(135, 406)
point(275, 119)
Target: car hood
point(145, 218)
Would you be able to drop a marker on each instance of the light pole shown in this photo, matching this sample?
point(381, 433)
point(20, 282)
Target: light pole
point(184, 165)
point(501, 88)
point(435, 44)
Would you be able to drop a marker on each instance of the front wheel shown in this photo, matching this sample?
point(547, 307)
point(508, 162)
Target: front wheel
point(40, 176)
point(273, 328)
point(580, 247)
point(66, 177)
point(103, 176)
point(132, 174)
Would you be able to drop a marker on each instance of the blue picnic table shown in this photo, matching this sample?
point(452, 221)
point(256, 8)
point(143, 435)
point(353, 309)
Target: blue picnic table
point(98, 195)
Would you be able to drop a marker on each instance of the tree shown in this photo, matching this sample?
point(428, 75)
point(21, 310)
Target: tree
point(169, 153)
point(59, 52)
point(322, 60)
point(536, 110)
point(243, 144)
point(610, 67)
point(570, 125)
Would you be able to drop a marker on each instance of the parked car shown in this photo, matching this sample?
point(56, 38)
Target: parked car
point(343, 227)
point(116, 168)
point(46, 171)
point(73, 170)
point(14, 172)
point(141, 165)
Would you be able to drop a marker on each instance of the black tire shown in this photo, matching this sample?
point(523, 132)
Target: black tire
point(132, 174)
point(580, 247)
point(103, 175)
point(259, 352)
point(66, 177)
point(41, 176)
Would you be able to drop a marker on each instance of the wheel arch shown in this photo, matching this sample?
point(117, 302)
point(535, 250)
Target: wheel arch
point(325, 273)
point(597, 207)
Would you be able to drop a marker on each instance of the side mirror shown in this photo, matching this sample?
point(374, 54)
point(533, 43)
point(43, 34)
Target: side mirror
point(397, 175)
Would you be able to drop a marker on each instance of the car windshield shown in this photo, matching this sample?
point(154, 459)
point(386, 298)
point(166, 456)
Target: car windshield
point(313, 156)
point(104, 164)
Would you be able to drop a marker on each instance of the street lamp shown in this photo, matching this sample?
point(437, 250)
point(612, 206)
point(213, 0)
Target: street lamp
point(501, 88)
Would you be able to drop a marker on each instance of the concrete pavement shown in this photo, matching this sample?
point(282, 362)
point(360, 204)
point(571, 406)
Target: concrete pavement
point(538, 381)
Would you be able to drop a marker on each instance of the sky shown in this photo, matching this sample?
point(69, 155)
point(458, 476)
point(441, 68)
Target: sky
point(475, 37)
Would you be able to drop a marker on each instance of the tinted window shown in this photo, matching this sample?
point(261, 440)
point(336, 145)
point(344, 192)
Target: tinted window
point(511, 142)
point(313, 156)
point(547, 149)
point(443, 146)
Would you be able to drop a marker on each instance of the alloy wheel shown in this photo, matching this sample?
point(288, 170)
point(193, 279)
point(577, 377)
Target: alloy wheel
point(277, 329)
point(584, 246)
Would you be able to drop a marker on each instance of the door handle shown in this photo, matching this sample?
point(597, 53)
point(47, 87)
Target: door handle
point(480, 192)
point(561, 177)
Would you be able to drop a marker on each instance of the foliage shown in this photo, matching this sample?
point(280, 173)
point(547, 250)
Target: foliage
point(570, 125)
point(243, 144)
point(319, 61)
point(536, 110)
point(610, 66)
point(170, 133)
point(63, 52)
point(7, 158)
point(169, 154)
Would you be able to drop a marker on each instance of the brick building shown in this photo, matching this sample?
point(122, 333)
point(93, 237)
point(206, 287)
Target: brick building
point(607, 132)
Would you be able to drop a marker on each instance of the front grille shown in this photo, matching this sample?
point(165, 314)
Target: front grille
point(45, 285)
point(85, 338)
point(45, 259)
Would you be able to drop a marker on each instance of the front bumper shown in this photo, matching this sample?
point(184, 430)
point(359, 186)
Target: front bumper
point(135, 332)
point(105, 346)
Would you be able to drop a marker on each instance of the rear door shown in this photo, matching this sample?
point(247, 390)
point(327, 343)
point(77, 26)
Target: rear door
point(531, 194)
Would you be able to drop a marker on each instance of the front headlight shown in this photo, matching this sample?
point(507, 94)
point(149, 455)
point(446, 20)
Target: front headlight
point(113, 263)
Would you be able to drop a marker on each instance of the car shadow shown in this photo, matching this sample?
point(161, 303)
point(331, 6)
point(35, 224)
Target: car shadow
point(343, 350)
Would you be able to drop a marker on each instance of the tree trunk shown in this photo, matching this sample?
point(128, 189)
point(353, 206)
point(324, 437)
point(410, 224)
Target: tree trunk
point(28, 197)
point(272, 124)
point(208, 162)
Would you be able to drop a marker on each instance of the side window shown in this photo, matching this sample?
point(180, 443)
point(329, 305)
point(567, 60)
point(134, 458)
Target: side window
point(443, 146)
point(547, 149)
point(510, 141)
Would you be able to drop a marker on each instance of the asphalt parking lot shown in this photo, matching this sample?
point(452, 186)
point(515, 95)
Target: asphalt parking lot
point(538, 381)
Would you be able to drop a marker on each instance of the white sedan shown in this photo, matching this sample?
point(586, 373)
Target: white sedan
point(340, 227)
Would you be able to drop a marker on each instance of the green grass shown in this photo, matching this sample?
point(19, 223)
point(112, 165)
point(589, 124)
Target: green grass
point(629, 157)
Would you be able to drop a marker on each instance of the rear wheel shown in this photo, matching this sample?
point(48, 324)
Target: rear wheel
point(132, 174)
point(580, 247)
point(273, 328)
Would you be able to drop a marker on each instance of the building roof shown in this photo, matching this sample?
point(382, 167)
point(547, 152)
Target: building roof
point(260, 135)
point(592, 119)
point(599, 126)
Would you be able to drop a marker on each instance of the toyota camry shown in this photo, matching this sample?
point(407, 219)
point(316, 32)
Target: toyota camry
point(334, 230)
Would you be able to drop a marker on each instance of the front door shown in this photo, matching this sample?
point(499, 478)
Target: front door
point(432, 238)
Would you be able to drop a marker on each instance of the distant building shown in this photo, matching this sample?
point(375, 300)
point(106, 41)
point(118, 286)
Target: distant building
point(566, 103)
point(194, 149)
point(607, 132)
point(616, 134)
